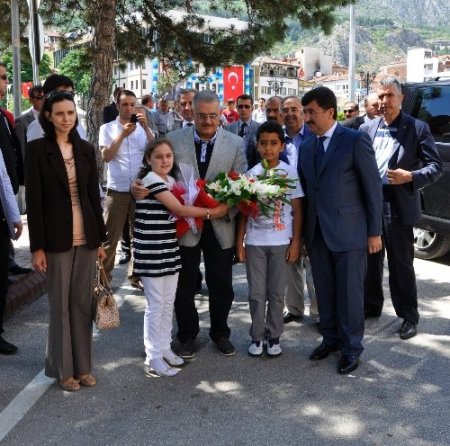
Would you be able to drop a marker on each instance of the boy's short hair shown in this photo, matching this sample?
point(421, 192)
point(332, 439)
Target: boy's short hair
point(270, 127)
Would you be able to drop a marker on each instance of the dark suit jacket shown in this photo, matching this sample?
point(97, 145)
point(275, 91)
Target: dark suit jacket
point(416, 152)
point(250, 150)
point(345, 196)
point(110, 113)
point(49, 205)
point(22, 122)
point(353, 123)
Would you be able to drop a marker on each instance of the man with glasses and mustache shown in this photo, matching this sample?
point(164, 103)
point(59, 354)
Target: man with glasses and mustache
point(351, 110)
point(209, 149)
point(246, 127)
point(55, 82)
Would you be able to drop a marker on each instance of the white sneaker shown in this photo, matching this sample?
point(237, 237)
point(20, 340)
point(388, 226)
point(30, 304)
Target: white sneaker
point(273, 349)
point(171, 358)
point(161, 368)
point(255, 348)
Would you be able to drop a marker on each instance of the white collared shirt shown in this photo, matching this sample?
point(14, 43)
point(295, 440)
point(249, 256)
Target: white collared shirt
point(329, 133)
point(35, 131)
point(123, 169)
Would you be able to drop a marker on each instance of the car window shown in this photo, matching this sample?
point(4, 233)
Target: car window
point(434, 109)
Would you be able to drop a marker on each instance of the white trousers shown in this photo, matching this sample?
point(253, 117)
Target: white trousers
point(160, 295)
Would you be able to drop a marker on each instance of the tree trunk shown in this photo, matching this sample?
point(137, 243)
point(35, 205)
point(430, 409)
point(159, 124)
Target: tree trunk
point(103, 45)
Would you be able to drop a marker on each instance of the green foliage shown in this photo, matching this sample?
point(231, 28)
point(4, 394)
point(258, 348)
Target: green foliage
point(77, 65)
point(45, 67)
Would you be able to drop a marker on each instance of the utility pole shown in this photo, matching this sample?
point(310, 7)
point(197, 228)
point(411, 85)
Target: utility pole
point(35, 39)
point(15, 37)
point(351, 55)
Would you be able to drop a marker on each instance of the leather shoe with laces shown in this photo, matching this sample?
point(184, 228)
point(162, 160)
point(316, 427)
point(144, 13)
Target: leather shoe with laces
point(347, 364)
point(225, 347)
point(408, 330)
point(322, 351)
point(187, 349)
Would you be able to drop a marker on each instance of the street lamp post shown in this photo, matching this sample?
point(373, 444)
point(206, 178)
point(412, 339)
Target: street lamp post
point(367, 77)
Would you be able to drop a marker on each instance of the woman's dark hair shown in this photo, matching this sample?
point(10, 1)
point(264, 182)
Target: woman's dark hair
point(47, 125)
point(151, 146)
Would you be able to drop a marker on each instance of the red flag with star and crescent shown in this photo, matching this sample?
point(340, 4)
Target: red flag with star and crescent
point(233, 82)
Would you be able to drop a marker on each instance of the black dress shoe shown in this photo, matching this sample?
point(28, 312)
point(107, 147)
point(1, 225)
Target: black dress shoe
point(187, 349)
point(408, 330)
point(322, 351)
point(289, 317)
point(7, 348)
point(16, 269)
point(225, 347)
point(347, 364)
point(369, 314)
point(124, 258)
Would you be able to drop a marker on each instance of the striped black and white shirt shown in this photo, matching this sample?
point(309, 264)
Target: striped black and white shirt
point(156, 251)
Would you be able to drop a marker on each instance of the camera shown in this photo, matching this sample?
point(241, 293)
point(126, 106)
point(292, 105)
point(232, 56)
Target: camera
point(134, 118)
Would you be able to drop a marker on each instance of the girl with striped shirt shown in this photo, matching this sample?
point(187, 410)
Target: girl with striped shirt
point(156, 253)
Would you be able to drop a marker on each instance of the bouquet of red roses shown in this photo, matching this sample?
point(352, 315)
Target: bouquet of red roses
point(191, 192)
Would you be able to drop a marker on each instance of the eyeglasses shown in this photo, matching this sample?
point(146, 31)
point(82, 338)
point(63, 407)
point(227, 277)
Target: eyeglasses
point(205, 116)
point(4, 77)
point(241, 106)
point(292, 110)
point(37, 97)
point(350, 110)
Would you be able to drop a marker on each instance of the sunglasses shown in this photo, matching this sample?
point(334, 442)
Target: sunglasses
point(241, 106)
point(4, 77)
point(351, 110)
point(37, 97)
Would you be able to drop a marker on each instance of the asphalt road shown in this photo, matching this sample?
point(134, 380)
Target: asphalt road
point(400, 394)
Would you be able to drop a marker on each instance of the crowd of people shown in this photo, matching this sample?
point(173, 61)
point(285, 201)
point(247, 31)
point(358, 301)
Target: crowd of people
point(355, 196)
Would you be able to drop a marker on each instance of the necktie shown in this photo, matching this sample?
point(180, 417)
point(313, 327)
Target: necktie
point(243, 130)
point(189, 124)
point(320, 152)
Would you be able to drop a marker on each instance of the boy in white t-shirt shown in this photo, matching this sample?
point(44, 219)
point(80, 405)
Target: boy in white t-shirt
point(270, 243)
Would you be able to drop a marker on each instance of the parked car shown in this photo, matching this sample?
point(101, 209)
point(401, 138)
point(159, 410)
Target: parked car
point(430, 102)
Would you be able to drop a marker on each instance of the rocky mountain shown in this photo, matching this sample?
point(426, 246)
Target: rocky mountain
point(385, 29)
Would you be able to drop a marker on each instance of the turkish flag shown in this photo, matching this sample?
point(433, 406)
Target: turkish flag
point(233, 82)
point(25, 87)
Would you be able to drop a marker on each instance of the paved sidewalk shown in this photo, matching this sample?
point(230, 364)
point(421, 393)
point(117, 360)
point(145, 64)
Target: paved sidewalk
point(26, 288)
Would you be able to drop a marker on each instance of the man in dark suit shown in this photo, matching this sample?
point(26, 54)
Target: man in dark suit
point(343, 221)
point(408, 160)
point(184, 109)
point(111, 111)
point(246, 128)
point(372, 111)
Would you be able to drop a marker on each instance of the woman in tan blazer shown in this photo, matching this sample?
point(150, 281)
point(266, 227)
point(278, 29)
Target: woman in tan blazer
point(66, 231)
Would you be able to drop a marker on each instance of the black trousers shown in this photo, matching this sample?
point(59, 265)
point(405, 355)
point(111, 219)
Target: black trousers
point(398, 240)
point(4, 261)
point(125, 241)
point(218, 276)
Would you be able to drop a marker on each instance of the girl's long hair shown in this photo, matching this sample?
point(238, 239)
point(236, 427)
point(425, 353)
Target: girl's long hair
point(151, 146)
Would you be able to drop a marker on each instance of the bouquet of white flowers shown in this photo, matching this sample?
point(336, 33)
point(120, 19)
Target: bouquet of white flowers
point(252, 193)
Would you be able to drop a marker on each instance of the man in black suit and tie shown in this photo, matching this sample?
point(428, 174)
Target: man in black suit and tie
point(246, 128)
point(372, 111)
point(343, 221)
point(408, 160)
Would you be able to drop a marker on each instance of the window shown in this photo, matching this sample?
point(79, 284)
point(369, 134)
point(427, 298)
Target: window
point(132, 85)
point(433, 104)
point(292, 92)
point(144, 84)
point(137, 85)
point(265, 90)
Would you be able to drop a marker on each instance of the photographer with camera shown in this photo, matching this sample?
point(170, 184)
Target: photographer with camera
point(122, 143)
